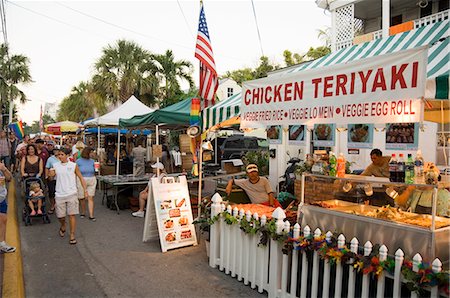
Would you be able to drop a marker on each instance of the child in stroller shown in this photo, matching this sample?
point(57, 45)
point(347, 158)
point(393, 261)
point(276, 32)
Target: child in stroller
point(35, 196)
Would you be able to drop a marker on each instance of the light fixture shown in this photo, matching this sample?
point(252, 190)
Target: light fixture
point(368, 190)
point(347, 186)
point(379, 128)
point(422, 3)
point(341, 129)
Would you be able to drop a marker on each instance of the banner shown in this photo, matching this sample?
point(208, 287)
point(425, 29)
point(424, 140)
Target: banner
point(382, 89)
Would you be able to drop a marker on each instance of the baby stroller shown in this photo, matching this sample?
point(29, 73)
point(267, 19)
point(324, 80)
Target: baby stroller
point(26, 216)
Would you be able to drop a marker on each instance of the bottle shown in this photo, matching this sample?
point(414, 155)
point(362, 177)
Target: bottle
point(341, 165)
point(393, 168)
point(401, 168)
point(333, 164)
point(418, 164)
point(409, 170)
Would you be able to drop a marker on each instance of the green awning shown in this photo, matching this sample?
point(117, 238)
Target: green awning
point(174, 115)
point(436, 35)
point(223, 110)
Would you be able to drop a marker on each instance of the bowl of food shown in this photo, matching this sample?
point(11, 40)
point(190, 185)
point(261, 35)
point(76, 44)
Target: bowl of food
point(323, 132)
point(359, 133)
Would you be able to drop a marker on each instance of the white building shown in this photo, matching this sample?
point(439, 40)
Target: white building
point(357, 21)
point(50, 108)
point(227, 87)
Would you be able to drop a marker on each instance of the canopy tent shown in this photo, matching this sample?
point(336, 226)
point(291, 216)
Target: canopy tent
point(113, 130)
point(177, 114)
point(59, 128)
point(438, 69)
point(128, 109)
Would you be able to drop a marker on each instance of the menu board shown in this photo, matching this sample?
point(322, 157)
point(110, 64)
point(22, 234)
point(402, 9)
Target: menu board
point(173, 212)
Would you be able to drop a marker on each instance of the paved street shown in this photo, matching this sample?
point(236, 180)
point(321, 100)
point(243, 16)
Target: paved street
point(110, 260)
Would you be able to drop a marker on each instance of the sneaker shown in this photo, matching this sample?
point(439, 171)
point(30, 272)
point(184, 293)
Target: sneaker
point(5, 248)
point(33, 213)
point(39, 212)
point(81, 215)
point(138, 214)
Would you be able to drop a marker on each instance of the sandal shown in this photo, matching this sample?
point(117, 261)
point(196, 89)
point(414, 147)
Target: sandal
point(73, 241)
point(51, 211)
point(62, 232)
point(92, 218)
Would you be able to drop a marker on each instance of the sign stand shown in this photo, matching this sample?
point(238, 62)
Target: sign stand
point(169, 209)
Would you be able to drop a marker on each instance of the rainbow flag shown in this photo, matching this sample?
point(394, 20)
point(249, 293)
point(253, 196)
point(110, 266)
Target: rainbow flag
point(194, 118)
point(17, 128)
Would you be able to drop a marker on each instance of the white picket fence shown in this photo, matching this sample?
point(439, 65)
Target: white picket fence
point(266, 268)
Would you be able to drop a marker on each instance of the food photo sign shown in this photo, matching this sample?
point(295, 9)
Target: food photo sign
point(275, 134)
point(381, 89)
point(402, 136)
point(324, 135)
point(297, 135)
point(173, 212)
point(360, 136)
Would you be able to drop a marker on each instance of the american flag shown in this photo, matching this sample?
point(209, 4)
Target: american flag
point(41, 122)
point(203, 52)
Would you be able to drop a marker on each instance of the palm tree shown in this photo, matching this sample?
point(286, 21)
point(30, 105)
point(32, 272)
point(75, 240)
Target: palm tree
point(170, 72)
point(13, 70)
point(80, 104)
point(123, 70)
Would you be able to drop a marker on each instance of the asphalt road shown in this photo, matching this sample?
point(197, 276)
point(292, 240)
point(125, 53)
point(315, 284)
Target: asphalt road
point(110, 260)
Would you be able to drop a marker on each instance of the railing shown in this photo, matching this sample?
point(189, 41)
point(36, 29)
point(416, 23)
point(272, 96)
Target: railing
point(431, 19)
point(425, 21)
point(299, 273)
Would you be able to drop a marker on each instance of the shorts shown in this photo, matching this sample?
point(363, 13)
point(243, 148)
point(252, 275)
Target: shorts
point(3, 207)
point(91, 183)
point(66, 206)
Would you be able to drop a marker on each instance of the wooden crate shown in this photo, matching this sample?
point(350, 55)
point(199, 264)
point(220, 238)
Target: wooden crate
point(185, 143)
point(186, 162)
point(230, 168)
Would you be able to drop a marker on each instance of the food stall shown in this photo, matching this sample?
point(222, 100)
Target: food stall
point(348, 205)
point(366, 91)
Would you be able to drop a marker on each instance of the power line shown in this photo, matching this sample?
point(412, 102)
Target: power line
point(120, 27)
point(257, 28)
point(185, 20)
point(54, 19)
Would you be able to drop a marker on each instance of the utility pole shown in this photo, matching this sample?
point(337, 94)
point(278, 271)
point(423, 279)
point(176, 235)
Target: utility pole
point(5, 41)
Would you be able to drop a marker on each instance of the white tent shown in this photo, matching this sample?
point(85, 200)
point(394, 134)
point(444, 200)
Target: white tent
point(128, 109)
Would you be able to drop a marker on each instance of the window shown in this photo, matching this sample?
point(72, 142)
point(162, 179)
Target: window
point(427, 10)
point(443, 5)
point(396, 20)
point(230, 92)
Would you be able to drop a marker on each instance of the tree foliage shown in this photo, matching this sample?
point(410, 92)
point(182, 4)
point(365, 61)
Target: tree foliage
point(81, 104)
point(125, 69)
point(170, 73)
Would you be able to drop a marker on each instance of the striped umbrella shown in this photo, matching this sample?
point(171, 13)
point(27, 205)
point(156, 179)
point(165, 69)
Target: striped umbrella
point(59, 128)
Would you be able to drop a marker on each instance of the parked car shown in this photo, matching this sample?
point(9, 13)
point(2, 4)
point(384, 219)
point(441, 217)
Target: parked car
point(237, 146)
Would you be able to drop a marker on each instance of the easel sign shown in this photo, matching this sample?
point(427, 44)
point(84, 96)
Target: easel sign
point(173, 212)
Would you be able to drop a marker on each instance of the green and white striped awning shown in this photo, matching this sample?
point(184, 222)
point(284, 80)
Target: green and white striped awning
point(438, 69)
point(435, 35)
point(222, 111)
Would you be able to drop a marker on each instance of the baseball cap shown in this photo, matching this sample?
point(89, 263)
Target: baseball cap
point(39, 141)
point(252, 168)
point(158, 165)
point(50, 143)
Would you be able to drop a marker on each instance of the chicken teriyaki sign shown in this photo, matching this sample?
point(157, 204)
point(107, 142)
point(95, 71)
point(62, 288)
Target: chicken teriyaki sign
point(380, 89)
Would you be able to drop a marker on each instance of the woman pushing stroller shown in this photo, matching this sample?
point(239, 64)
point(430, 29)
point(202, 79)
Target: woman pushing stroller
point(66, 196)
